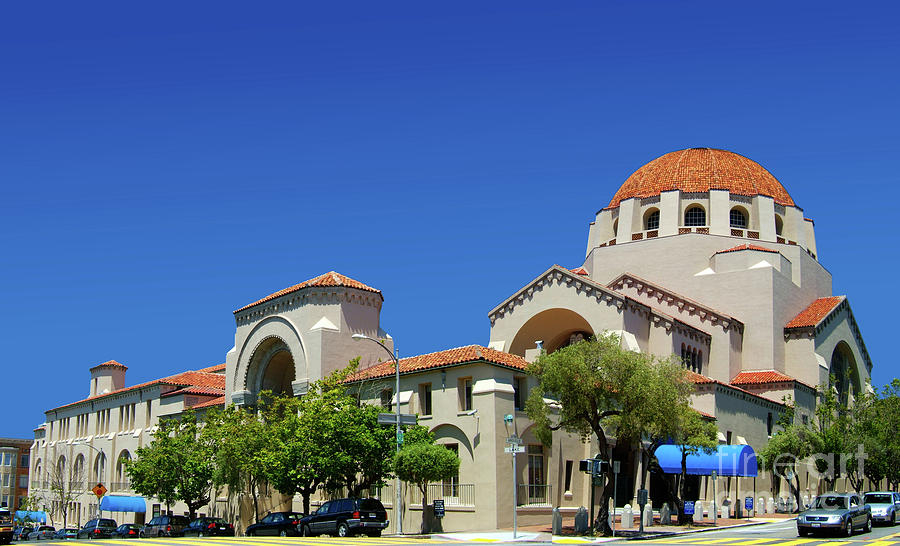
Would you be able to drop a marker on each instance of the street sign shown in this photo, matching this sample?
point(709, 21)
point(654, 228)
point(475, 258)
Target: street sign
point(688, 508)
point(438, 508)
point(400, 437)
point(391, 419)
point(617, 465)
point(748, 503)
point(643, 496)
point(515, 440)
point(99, 490)
point(514, 449)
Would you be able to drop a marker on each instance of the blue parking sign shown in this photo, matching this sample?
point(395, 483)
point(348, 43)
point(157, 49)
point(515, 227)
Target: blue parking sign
point(748, 503)
point(689, 508)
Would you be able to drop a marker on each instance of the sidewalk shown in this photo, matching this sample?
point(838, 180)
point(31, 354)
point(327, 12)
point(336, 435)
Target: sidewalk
point(542, 533)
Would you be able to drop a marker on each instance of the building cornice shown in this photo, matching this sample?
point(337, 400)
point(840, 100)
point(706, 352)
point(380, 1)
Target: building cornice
point(308, 296)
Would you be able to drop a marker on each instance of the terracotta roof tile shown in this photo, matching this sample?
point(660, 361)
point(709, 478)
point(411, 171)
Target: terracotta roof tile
point(703, 380)
point(460, 355)
point(183, 379)
point(817, 310)
point(110, 364)
point(332, 278)
point(698, 379)
point(747, 247)
point(579, 271)
point(201, 391)
point(700, 170)
point(220, 401)
point(213, 369)
point(760, 378)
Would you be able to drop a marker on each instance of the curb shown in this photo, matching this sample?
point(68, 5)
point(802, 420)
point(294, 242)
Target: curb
point(694, 531)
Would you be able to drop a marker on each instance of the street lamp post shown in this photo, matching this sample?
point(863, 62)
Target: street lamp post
point(101, 467)
point(357, 337)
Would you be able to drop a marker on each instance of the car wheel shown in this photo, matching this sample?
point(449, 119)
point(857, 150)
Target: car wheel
point(802, 532)
point(868, 525)
point(251, 534)
point(141, 535)
point(894, 518)
point(343, 530)
point(375, 533)
point(200, 534)
point(283, 533)
point(849, 530)
point(305, 531)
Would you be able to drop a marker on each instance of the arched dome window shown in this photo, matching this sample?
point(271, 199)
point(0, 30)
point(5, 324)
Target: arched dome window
point(738, 218)
point(651, 220)
point(695, 216)
point(779, 225)
point(615, 227)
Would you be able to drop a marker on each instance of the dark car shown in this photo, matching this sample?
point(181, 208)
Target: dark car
point(276, 523)
point(165, 526)
point(64, 534)
point(841, 512)
point(21, 533)
point(97, 528)
point(207, 527)
point(346, 517)
point(44, 532)
point(127, 530)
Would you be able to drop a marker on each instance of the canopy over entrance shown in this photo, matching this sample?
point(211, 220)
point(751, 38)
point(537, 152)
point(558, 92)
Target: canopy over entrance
point(122, 503)
point(37, 517)
point(739, 460)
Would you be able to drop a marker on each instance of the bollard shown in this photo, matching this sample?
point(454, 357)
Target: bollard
point(557, 522)
point(648, 515)
point(805, 502)
point(712, 510)
point(770, 506)
point(760, 506)
point(581, 521)
point(698, 511)
point(665, 515)
point(725, 513)
point(627, 517)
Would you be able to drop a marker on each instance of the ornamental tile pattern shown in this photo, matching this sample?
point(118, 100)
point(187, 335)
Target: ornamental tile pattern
point(760, 378)
point(698, 170)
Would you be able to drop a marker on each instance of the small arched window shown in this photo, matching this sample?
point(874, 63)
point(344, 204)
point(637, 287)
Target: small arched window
point(651, 220)
point(779, 225)
point(695, 216)
point(738, 218)
point(615, 227)
point(699, 361)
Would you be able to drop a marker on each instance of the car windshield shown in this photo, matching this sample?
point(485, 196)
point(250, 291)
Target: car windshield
point(879, 498)
point(217, 521)
point(107, 523)
point(180, 520)
point(830, 503)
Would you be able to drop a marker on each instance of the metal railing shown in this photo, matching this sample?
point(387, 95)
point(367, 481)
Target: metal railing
point(453, 494)
point(120, 486)
point(534, 495)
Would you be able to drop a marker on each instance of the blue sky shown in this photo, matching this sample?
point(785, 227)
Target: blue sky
point(164, 165)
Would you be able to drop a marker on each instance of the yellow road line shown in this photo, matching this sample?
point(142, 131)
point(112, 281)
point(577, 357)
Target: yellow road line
point(755, 541)
point(881, 542)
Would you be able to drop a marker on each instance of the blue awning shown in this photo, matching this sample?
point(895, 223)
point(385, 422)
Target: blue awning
point(122, 503)
point(739, 460)
point(38, 517)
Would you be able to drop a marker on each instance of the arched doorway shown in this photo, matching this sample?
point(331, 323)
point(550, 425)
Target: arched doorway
point(271, 368)
point(844, 375)
point(555, 327)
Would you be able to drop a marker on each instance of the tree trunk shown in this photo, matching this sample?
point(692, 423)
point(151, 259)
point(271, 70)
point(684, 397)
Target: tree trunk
point(795, 490)
point(683, 519)
point(254, 491)
point(424, 489)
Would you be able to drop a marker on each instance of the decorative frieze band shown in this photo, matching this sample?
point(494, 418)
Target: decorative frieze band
point(292, 301)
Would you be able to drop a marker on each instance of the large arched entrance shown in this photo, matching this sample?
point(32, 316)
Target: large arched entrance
point(844, 374)
point(271, 368)
point(556, 328)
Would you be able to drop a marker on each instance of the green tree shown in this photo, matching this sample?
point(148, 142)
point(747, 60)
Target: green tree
point(694, 434)
point(239, 441)
point(789, 445)
point(597, 386)
point(422, 463)
point(176, 466)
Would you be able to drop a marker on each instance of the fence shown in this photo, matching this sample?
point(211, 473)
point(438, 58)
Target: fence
point(534, 495)
point(453, 494)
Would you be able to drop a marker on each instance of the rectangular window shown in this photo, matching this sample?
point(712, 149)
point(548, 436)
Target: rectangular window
point(520, 392)
point(537, 493)
point(728, 437)
point(23, 481)
point(24, 461)
point(7, 459)
point(451, 485)
point(568, 488)
point(464, 386)
point(147, 420)
point(425, 399)
point(386, 396)
point(6, 480)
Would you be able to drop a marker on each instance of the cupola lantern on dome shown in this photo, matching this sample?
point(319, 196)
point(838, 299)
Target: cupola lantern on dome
point(702, 191)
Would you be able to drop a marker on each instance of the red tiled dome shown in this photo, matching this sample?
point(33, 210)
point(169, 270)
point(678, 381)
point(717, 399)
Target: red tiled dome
point(701, 170)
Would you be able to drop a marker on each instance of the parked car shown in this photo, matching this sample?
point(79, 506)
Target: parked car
point(21, 533)
point(885, 506)
point(276, 523)
point(64, 534)
point(127, 530)
point(842, 512)
point(207, 527)
point(165, 526)
point(45, 532)
point(346, 517)
point(97, 528)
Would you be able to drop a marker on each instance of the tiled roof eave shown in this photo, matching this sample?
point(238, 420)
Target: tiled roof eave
point(353, 379)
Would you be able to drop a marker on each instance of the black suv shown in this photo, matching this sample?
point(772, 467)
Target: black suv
point(97, 528)
point(346, 517)
point(165, 526)
point(276, 523)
